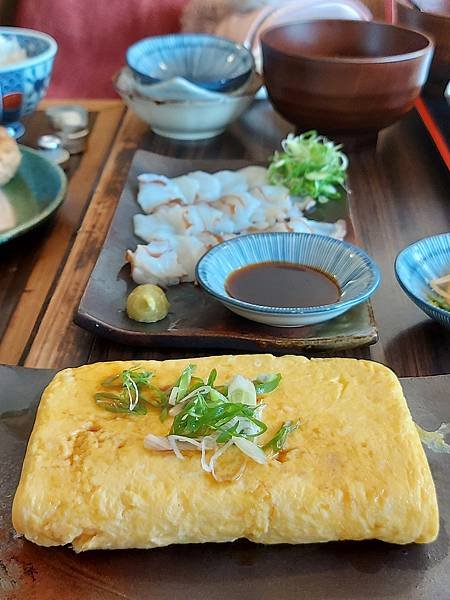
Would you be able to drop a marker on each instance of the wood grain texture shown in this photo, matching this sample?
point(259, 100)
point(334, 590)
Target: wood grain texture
point(58, 341)
point(37, 259)
point(400, 192)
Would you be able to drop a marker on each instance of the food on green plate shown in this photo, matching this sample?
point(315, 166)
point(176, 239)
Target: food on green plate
point(124, 454)
point(10, 156)
point(147, 304)
point(310, 165)
point(441, 288)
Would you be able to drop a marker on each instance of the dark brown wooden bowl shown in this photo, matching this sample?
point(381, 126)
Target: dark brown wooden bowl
point(436, 23)
point(344, 78)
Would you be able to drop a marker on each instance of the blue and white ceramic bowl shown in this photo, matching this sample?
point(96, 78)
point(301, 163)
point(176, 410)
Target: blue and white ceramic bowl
point(24, 83)
point(418, 264)
point(208, 61)
point(357, 275)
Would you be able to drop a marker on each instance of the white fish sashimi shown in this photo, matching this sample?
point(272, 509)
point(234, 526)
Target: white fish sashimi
point(240, 208)
point(189, 251)
point(181, 223)
point(171, 259)
point(212, 239)
point(275, 204)
point(155, 263)
point(155, 190)
point(189, 187)
point(254, 175)
point(337, 230)
point(181, 220)
point(232, 182)
point(209, 189)
point(211, 219)
point(145, 226)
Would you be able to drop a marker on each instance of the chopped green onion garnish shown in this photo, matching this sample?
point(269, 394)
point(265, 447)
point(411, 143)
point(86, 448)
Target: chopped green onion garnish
point(212, 377)
point(184, 382)
point(310, 166)
point(206, 417)
point(119, 403)
point(265, 384)
point(277, 443)
point(241, 389)
point(129, 399)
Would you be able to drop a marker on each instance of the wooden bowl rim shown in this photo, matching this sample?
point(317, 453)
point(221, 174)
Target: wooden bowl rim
point(379, 60)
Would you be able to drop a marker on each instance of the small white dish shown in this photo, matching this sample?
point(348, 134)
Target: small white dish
point(192, 119)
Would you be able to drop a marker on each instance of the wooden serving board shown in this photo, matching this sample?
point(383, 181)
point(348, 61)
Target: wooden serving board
point(335, 571)
point(195, 319)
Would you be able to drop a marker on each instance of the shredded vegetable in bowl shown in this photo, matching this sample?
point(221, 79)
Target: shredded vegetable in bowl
point(310, 166)
point(441, 289)
point(207, 418)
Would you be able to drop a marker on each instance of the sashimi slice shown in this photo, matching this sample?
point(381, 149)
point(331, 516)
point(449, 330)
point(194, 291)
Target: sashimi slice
point(155, 263)
point(254, 175)
point(155, 190)
point(189, 187)
point(209, 189)
point(232, 182)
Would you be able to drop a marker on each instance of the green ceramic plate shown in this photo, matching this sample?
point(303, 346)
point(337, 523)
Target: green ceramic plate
point(35, 192)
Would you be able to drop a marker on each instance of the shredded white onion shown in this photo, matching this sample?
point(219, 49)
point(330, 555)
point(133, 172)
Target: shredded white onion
point(241, 389)
point(173, 395)
point(176, 443)
point(217, 454)
point(173, 445)
point(250, 449)
point(441, 286)
point(156, 442)
point(180, 405)
point(208, 443)
point(163, 443)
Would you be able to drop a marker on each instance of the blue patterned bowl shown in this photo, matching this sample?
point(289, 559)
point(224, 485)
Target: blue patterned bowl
point(24, 83)
point(357, 275)
point(417, 264)
point(208, 61)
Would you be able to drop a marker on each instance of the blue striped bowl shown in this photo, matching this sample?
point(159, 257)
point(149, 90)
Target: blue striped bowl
point(417, 264)
point(208, 61)
point(357, 275)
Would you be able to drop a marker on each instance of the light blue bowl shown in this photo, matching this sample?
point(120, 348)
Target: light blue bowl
point(24, 83)
point(357, 275)
point(208, 61)
point(420, 262)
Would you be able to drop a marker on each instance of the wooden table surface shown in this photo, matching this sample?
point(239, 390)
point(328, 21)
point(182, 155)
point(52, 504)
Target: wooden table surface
point(400, 193)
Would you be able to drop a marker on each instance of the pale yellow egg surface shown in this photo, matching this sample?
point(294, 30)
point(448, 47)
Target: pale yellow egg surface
point(354, 469)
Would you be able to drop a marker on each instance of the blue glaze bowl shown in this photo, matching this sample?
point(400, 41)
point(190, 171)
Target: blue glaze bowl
point(357, 275)
point(211, 62)
point(417, 264)
point(24, 83)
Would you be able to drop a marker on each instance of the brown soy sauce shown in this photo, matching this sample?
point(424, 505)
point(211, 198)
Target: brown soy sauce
point(282, 284)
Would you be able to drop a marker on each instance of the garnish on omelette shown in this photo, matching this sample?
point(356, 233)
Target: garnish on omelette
point(206, 417)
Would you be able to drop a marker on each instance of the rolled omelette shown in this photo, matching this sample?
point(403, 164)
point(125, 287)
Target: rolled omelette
point(354, 470)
